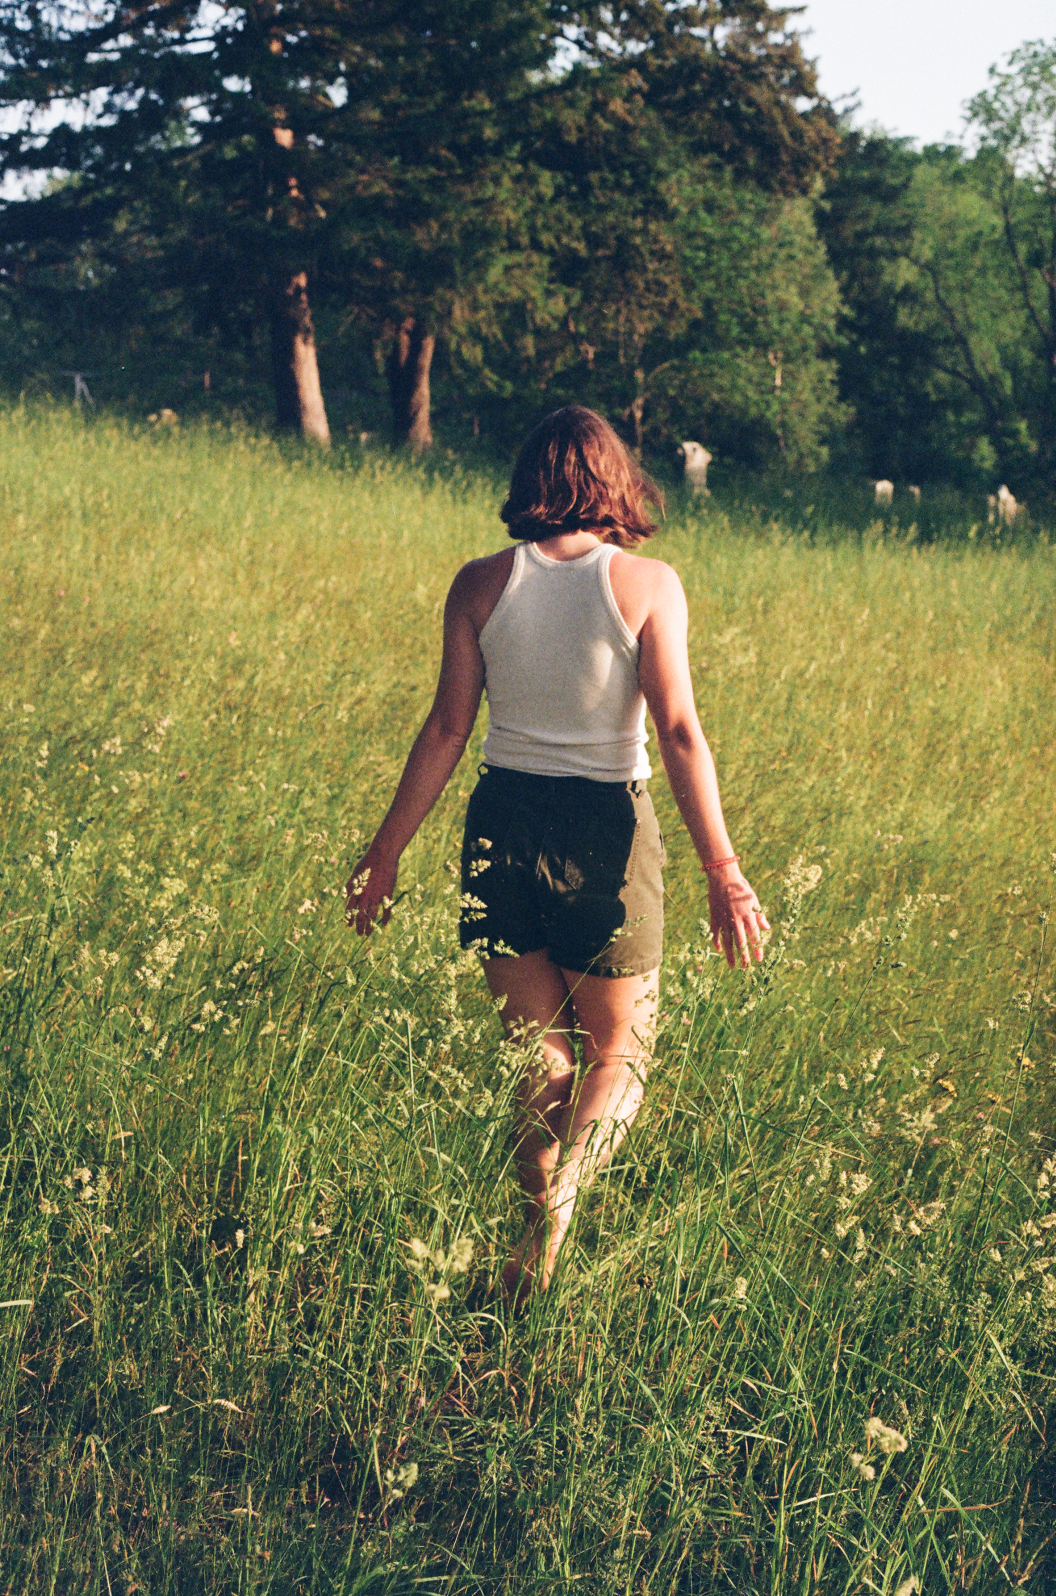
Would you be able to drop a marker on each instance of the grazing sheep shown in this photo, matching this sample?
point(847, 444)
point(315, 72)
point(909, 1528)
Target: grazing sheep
point(1007, 508)
point(696, 461)
point(914, 493)
point(167, 418)
point(883, 491)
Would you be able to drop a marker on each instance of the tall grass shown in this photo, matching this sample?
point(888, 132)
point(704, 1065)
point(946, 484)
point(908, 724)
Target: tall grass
point(224, 1122)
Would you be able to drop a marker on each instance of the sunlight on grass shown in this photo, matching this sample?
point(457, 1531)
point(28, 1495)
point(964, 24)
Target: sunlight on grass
point(256, 1173)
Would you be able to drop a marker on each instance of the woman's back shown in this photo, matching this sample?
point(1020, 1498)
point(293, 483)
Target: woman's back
point(561, 672)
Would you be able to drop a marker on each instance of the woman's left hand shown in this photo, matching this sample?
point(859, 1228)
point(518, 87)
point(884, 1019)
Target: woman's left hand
point(738, 924)
point(370, 887)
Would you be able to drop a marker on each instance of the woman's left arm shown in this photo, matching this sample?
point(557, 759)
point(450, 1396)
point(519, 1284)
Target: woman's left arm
point(437, 750)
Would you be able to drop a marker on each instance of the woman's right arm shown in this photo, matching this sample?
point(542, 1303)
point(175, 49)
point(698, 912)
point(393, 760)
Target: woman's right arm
point(737, 922)
point(437, 750)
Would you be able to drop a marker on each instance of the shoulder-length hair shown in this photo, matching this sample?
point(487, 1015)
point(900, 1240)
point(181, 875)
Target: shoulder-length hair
point(574, 474)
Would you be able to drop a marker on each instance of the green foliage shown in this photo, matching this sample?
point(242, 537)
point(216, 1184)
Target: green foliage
point(541, 186)
point(255, 1175)
point(946, 259)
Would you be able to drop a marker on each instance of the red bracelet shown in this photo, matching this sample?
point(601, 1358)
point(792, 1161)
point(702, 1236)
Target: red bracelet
point(717, 864)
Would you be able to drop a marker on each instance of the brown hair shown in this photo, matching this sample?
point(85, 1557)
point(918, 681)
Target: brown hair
point(573, 474)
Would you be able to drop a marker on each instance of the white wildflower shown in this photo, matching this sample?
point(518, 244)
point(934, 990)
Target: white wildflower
point(887, 1439)
point(461, 1256)
point(740, 1289)
point(908, 1586)
point(866, 1470)
point(399, 1481)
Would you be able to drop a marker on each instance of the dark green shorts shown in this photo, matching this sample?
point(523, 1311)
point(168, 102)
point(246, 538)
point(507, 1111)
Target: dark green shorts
point(567, 865)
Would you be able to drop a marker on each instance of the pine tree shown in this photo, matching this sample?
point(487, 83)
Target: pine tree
point(268, 147)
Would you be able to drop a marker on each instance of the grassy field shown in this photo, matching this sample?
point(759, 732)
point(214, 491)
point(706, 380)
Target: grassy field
point(803, 1338)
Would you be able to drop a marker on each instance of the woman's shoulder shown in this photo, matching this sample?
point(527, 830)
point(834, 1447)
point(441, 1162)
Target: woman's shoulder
point(647, 581)
point(641, 588)
point(479, 584)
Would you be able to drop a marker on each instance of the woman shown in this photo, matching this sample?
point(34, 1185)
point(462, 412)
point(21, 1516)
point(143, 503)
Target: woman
point(573, 637)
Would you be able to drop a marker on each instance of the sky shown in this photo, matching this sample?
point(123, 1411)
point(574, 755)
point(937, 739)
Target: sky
point(913, 63)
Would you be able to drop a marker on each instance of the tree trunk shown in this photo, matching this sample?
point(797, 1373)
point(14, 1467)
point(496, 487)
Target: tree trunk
point(634, 413)
point(298, 396)
point(409, 364)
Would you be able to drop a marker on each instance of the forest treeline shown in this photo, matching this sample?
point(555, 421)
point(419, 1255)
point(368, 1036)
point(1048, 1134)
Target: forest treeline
point(460, 213)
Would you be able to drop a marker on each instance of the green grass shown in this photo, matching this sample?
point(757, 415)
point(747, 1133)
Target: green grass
point(223, 1120)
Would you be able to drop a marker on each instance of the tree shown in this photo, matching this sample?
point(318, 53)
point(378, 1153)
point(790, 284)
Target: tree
point(1014, 120)
point(669, 122)
point(267, 148)
point(946, 260)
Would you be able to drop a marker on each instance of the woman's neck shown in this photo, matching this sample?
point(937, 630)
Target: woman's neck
point(568, 545)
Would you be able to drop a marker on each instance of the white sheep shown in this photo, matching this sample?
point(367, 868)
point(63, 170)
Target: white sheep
point(914, 493)
point(1007, 508)
point(883, 491)
point(696, 460)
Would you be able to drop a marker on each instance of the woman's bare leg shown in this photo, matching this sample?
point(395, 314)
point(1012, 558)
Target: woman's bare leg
point(536, 1005)
point(563, 1137)
point(617, 1020)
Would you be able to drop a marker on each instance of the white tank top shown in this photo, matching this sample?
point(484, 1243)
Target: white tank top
point(561, 672)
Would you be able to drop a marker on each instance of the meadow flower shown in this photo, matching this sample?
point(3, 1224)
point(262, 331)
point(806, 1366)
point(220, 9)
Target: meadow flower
point(461, 1256)
point(887, 1439)
point(866, 1470)
point(420, 1255)
point(47, 1207)
point(908, 1586)
point(740, 1289)
point(399, 1481)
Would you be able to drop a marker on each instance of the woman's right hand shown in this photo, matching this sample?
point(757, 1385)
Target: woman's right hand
point(370, 887)
point(738, 923)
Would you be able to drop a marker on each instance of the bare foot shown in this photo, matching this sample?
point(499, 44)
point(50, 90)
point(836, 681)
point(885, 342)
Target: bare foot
point(533, 1261)
point(518, 1277)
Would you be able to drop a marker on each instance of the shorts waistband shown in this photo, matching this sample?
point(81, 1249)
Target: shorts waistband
point(554, 784)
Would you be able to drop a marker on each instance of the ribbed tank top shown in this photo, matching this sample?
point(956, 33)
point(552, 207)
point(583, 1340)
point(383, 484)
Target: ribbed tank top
point(561, 672)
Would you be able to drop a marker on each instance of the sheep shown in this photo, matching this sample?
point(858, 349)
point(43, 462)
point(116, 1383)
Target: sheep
point(1007, 508)
point(883, 491)
point(167, 417)
point(914, 493)
point(1001, 506)
point(696, 461)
